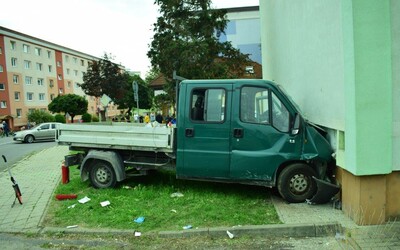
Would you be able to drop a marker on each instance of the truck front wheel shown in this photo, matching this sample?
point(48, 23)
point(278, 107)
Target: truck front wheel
point(102, 175)
point(295, 183)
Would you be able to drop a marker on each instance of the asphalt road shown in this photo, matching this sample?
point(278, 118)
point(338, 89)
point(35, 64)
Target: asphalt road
point(15, 151)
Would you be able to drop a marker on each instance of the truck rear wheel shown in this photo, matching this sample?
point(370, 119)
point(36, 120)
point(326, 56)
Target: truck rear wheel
point(295, 183)
point(102, 175)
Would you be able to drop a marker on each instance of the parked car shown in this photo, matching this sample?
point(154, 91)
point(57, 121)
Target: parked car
point(42, 132)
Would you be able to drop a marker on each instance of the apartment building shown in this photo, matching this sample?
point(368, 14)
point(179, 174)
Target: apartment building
point(33, 72)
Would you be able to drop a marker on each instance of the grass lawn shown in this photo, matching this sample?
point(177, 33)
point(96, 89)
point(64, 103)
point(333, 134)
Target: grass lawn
point(203, 204)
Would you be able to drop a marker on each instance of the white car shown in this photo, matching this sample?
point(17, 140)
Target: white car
point(42, 132)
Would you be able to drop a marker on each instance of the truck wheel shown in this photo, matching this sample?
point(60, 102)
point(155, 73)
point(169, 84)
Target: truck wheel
point(102, 175)
point(295, 183)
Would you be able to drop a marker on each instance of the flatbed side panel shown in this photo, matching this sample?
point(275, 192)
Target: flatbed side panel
point(115, 136)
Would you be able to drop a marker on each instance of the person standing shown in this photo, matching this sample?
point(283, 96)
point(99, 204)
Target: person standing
point(6, 128)
point(146, 118)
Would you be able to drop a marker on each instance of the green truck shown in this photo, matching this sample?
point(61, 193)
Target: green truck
point(244, 131)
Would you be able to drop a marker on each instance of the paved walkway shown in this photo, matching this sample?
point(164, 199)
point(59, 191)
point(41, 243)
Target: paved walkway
point(39, 174)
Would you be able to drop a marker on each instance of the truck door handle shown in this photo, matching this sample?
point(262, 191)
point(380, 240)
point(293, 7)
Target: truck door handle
point(189, 132)
point(238, 133)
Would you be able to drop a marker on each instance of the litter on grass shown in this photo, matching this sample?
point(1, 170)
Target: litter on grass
point(105, 203)
point(173, 210)
point(72, 206)
point(187, 227)
point(230, 234)
point(139, 220)
point(138, 234)
point(84, 200)
point(73, 226)
point(177, 194)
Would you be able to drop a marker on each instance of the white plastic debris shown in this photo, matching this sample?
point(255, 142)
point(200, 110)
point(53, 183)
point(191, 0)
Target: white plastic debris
point(105, 203)
point(73, 226)
point(138, 234)
point(72, 206)
point(230, 234)
point(84, 200)
point(173, 210)
point(177, 194)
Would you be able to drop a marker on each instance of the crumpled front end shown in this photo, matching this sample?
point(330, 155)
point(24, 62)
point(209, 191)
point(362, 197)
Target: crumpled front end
point(318, 151)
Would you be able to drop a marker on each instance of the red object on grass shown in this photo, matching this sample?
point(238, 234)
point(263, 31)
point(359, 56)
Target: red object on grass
point(66, 196)
point(65, 174)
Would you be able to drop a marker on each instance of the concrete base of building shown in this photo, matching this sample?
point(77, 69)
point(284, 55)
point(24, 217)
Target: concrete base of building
point(372, 199)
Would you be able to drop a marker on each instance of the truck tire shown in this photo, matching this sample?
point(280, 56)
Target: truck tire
point(295, 183)
point(102, 175)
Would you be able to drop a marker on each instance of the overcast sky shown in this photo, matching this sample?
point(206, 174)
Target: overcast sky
point(120, 27)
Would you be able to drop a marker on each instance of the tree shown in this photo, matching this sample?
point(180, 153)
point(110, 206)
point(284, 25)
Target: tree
point(40, 116)
point(70, 103)
point(186, 40)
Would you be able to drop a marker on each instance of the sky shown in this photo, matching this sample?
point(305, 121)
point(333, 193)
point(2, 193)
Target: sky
point(122, 28)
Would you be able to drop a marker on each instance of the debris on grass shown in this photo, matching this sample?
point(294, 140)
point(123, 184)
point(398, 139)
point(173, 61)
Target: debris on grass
point(65, 196)
point(177, 194)
point(73, 226)
point(138, 234)
point(72, 206)
point(105, 203)
point(139, 220)
point(84, 200)
point(187, 227)
point(231, 235)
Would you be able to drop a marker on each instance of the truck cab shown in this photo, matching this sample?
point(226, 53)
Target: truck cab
point(250, 132)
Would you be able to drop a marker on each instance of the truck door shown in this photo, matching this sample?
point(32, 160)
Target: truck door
point(205, 150)
point(261, 139)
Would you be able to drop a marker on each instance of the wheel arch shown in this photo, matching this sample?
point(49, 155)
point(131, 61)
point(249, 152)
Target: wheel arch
point(286, 164)
point(113, 158)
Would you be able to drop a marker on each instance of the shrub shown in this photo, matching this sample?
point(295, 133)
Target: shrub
point(60, 118)
point(39, 116)
point(95, 118)
point(86, 117)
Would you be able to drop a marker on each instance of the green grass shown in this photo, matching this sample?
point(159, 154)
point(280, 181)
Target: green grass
point(203, 205)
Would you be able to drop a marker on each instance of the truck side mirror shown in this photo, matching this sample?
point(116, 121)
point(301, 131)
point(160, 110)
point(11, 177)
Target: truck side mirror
point(296, 125)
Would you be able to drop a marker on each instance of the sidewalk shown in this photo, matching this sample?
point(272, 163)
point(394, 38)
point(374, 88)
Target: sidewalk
point(39, 174)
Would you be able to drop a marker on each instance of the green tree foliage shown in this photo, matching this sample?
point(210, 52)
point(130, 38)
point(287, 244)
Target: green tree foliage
point(186, 40)
point(70, 103)
point(60, 118)
point(145, 94)
point(86, 117)
point(40, 116)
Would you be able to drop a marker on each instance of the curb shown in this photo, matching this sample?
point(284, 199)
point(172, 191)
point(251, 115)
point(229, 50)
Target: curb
point(280, 230)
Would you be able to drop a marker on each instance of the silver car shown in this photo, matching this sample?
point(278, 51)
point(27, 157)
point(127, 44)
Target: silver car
point(42, 132)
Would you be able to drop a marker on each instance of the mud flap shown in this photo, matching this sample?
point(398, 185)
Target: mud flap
point(325, 191)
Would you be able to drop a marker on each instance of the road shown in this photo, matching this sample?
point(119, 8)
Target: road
point(15, 151)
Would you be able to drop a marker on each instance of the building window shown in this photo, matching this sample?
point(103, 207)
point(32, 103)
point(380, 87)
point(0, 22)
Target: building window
point(66, 58)
point(29, 96)
point(15, 79)
point(59, 77)
point(41, 96)
point(39, 66)
point(51, 97)
point(75, 60)
point(38, 51)
point(67, 71)
point(49, 54)
point(50, 68)
point(13, 45)
point(76, 72)
point(2, 86)
point(28, 80)
point(3, 104)
point(27, 64)
point(13, 61)
point(17, 96)
point(82, 62)
point(58, 64)
point(69, 84)
point(1, 50)
point(26, 48)
point(1, 68)
point(40, 81)
point(19, 113)
point(51, 84)
point(61, 91)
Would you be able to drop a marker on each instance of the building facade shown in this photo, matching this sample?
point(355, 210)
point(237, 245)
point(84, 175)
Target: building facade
point(340, 61)
point(33, 72)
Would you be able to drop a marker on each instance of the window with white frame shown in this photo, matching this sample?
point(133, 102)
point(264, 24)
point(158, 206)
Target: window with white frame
point(41, 96)
point(61, 90)
point(16, 79)
point(3, 104)
point(2, 86)
point(51, 83)
point(27, 64)
point(17, 96)
point(39, 66)
point(50, 68)
point(26, 48)
point(49, 54)
point(28, 80)
point(13, 61)
point(1, 68)
point(29, 96)
point(40, 81)
point(13, 45)
point(1, 50)
point(82, 62)
point(59, 77)
point(58, 64)
point(38, 51)
point(19, 113)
